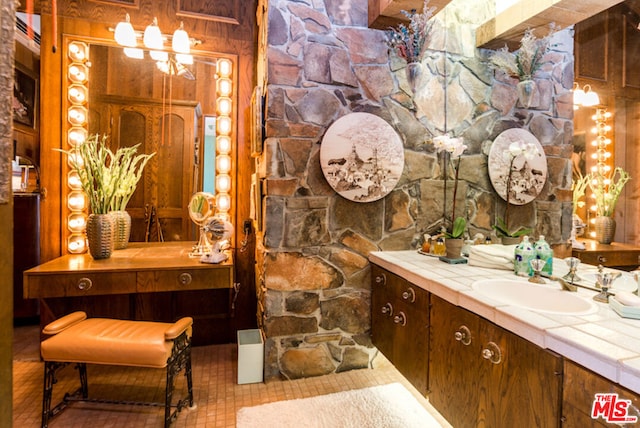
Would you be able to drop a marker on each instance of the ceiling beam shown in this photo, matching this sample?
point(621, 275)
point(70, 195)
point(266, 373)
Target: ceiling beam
point(508, 27)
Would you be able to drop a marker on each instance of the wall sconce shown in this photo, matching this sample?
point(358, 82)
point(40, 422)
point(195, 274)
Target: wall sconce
point(584, 97)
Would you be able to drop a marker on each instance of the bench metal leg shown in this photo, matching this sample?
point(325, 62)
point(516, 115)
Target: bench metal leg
point(179, 360)
point(50, 379)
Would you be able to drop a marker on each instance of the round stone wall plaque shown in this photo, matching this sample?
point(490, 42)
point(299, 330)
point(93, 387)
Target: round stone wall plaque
point(362, 157)
point(520, 151)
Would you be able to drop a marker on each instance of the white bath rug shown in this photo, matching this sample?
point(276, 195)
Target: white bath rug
point(385, 406)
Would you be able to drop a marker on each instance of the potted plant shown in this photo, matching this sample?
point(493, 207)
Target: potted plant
point(606, 189)
point(128, 167)
point(451, 150)
point(524, 63)
point(410, 41)
point(108, 179)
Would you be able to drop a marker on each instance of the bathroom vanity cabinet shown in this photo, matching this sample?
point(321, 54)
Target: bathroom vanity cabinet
point(400, 325)
point(580, 387)
point(483, 375)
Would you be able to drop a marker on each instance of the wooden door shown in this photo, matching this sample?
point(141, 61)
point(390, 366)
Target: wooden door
point(454, 360)
point(523, 387)
point(168, 183)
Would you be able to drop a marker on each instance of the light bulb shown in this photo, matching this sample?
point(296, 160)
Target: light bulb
point(159, 56)
point(223, 163)
point(180, 42)
point(223, 67)
point(134, 53)
point(124, 33)
point(224, 125)
point(76, 243)
point(184, 59)
point(152, 38)
point(224, 87)
point(223, 202)
point(223, 144)
point(223, 183)
point(224, 105)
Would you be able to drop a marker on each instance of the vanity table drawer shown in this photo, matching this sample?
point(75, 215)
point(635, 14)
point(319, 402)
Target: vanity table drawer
point(82, 284)
point(183, 279)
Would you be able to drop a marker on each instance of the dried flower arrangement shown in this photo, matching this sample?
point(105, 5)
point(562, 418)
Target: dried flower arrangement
point(409, 42)
point(527, 60)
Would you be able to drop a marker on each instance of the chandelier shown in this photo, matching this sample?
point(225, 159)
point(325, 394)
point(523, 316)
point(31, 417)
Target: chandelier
point(171, 61)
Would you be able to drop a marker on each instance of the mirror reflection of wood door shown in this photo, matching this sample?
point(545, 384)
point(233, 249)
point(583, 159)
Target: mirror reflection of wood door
point(167, 184)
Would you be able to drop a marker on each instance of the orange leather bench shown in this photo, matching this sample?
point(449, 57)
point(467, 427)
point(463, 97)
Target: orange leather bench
point(76, 339)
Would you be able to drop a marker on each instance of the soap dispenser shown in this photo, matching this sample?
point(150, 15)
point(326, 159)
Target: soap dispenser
point(523, 254)
point(544, 252)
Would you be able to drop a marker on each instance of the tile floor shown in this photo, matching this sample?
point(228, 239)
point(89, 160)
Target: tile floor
point(216, 392)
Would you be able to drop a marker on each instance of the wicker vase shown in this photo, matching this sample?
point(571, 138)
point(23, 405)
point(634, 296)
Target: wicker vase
point(605, 229)
point(510, 240)
point(100, 235)
point(122, 229)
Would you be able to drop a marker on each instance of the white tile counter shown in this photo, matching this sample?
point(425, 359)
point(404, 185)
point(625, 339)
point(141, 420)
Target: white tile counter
point(603, 341)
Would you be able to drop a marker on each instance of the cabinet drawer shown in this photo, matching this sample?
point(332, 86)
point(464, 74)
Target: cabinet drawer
point(183, 279)
point(82, 284)
point(393, 287)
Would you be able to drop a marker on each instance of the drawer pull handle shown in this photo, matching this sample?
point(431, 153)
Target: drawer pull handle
point(85, 284)
point(492, 353)
point(409, 295)
point(387, 309)
point(185, 278)
point(401, 319)
point(381, 279)
point(463, 335)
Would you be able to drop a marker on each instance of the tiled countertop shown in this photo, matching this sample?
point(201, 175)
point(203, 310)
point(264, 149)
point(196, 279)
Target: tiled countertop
point(603, 341)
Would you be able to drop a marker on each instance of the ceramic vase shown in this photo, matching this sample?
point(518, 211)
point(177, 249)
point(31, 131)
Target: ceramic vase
point(100, 235)
point(605, 229)
point(526, 90)
point(122, 229)
point(414, 74)
point(454, 247)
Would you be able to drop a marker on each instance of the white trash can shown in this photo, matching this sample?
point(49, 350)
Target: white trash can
point(250, 356)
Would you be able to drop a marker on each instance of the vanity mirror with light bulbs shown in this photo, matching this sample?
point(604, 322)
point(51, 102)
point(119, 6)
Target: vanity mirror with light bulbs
point(182, 112)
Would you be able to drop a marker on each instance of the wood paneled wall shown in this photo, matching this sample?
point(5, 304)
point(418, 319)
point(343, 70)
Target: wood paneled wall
point(606, 58)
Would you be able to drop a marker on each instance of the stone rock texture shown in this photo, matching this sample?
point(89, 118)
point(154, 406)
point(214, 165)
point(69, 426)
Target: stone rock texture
point(323, 63)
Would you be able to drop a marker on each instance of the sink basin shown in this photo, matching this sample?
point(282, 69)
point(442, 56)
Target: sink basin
point(534, 297)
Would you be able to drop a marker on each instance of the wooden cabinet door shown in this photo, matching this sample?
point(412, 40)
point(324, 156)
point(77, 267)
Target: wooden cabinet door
point(454, 363)
point(523, 382)
point(411, 345)
point(481, 375)
point(400, 325)
point(382, 326)
point(580, 387)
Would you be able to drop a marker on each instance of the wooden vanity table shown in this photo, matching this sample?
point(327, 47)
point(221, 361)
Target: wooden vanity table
point(145, 281)
point(614, 255)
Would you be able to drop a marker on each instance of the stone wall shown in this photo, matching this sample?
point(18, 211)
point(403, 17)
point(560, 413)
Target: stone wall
point(323, 63)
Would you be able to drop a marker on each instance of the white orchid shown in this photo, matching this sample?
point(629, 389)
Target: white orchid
point(452, 147)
